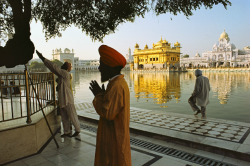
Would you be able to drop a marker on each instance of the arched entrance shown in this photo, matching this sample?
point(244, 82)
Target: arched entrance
point(67, 60)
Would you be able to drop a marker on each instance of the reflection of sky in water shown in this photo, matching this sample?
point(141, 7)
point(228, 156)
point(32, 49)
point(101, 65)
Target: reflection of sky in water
point(229, 96)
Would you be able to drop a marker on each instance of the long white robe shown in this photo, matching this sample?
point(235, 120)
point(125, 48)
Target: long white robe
point(65, 96)
point(201, 91)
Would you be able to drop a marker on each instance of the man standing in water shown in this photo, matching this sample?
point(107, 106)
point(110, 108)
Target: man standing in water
point(65, 96)
point(113, 107)
point(200, 95)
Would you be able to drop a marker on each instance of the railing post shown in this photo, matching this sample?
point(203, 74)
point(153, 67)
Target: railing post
point(54, 89)
point(27, 95)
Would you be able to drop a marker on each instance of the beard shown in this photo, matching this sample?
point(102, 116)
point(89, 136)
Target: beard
point(104, 78)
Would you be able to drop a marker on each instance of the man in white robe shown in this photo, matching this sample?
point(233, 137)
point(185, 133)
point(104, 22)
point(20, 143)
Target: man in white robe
point(65, 96)
point(200, 95)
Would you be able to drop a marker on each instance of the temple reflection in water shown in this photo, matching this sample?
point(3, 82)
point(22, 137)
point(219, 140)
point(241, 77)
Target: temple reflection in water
point(162, 87)
point(165, 87)
point(225, 84)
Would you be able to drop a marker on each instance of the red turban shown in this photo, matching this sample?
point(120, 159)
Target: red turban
point(111, 57)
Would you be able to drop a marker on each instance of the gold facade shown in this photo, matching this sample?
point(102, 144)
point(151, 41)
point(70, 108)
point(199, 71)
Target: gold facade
point(161, 56)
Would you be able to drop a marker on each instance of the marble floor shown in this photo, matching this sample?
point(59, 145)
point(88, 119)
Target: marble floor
point(214, 135)
point(81, 151)
point(218, 130)
point(205, 127)
point(150, 149)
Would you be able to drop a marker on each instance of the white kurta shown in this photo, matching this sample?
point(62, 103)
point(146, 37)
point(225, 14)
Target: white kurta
point(65, 96)
point(201, 91)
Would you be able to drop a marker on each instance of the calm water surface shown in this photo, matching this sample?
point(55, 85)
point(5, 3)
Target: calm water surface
point(169, 92)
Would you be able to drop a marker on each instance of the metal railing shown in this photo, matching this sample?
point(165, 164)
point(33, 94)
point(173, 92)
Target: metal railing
point(18, 98)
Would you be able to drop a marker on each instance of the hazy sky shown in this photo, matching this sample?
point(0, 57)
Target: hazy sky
point(196, 34)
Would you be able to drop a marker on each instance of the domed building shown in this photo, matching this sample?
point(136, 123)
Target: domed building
point(197, 55)
point(64, 56)
point(161, 56)
point(223, 54)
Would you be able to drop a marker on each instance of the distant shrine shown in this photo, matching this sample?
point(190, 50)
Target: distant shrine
point(223, 54)
point(161, 56)
point(64, 56)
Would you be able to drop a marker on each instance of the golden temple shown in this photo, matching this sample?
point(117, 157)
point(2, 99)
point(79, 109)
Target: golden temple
point(161, 56)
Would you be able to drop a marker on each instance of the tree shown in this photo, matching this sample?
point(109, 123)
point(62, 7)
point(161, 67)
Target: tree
point(37, 66)
point(57, 62)
point(16, 15)
point(97, 18)
point(186, 56)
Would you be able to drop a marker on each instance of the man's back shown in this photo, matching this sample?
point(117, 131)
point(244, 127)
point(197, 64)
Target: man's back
point(202, 88)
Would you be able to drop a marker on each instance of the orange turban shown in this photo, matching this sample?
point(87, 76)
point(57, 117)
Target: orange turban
point(111, 57)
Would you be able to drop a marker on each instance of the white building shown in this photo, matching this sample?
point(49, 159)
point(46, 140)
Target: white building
point(223, 53)
point(66, 56)
point(129, 58)
point(86, 64)
point(197, 60)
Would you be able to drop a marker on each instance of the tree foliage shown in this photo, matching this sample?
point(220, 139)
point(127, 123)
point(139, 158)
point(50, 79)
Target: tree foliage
point(57, 62)
point(96, 18)
point(186, 56)
point(39, 66)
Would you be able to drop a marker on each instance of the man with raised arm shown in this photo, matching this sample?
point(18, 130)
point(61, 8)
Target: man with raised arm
point(113, 107)
point(65, 96)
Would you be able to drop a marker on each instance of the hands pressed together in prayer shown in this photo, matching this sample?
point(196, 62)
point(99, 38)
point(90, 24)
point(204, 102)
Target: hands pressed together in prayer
point(95, 87)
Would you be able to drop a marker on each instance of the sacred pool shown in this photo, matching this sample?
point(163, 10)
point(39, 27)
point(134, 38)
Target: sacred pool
point(169, 92)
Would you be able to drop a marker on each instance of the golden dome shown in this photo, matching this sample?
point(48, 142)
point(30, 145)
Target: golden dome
point(177, 44)
point(164, 41)
point(159, 42)
point(136, 45)
point(146, 46)
point(224, 35)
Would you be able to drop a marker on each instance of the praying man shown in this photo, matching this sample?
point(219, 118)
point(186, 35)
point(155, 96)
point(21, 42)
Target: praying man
point(113, 107)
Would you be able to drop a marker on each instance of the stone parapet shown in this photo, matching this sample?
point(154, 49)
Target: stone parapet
point(27, 139)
